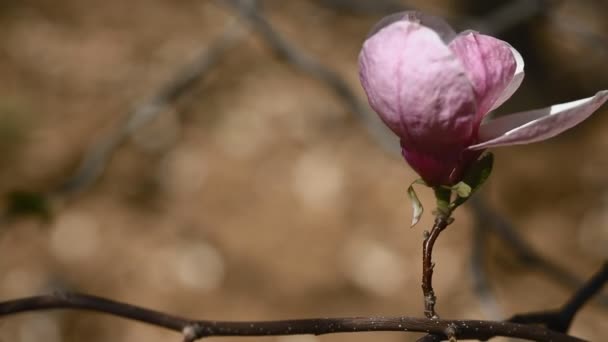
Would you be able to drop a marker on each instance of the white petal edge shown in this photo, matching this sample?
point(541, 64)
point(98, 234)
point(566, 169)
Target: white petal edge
point(518, 77)
point(536, 125)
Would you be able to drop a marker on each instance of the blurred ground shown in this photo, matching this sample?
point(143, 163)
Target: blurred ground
point(259, 196)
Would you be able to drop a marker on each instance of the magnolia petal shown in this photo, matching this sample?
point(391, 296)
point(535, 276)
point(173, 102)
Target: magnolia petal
point(515, 81)
point(490, 65)
point(537, 125)
point(437, 24)
point(435, 169)
point(418, 86)
point(440, 168)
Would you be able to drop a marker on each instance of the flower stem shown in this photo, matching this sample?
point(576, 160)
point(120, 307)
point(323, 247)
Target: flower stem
point(442, 220)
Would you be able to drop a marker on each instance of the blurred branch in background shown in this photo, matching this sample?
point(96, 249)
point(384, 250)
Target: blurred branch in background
point(481, 284)
point(592, 39)
point(287, 51)
point(561, 319)
point(365, 6)
point(96, 158)
point(500, 20)
point(98, 155)
point(508, 16)
point(488, 219)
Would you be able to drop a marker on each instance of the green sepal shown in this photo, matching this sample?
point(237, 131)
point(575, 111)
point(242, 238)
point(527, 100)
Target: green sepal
point(462, 189)
point(443, 196)
point(416, 205)
point(476, 176)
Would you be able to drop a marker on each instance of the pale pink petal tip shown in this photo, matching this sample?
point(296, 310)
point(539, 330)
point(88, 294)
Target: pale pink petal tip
point(490, 65)
point(537, 125)
point(515, 81)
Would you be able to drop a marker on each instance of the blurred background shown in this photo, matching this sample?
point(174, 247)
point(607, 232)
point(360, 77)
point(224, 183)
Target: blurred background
point(217, 159)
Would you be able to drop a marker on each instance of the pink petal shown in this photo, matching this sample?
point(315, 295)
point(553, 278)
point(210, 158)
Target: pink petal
point(440, 168)
point(437, 24)
point(418, 86)
point(515, 81)
point(490, 65)
point(537, 125)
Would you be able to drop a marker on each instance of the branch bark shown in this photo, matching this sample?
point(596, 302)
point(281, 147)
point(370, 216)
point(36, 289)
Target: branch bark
point(196, 329)
point(430, 299)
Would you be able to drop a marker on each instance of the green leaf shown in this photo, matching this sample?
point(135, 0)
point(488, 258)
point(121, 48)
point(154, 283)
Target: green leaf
point(416, 205)
point(474, 179)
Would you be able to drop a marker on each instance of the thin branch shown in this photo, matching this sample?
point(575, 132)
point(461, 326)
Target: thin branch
point(585, 293)
point(509, 16)
point(287, 51)
point(507, 233)
point(365, 6)
point(561, 320)
point(195, 329)
point(97, 156)
point(597, 42)
point(441, 222)
point(481, 284)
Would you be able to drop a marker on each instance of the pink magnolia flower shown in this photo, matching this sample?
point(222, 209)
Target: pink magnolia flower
point(433, 89)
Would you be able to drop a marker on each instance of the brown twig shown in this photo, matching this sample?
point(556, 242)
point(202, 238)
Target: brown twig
point(441, 222)
point(365, 6)
point(196, 329)
point(292, 54)
point(561, 319)
point(481, 283)
point(97, 156)
point(504, 229)
point(510, 15)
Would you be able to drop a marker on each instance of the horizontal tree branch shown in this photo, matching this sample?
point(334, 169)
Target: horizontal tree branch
point(195, 329)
